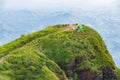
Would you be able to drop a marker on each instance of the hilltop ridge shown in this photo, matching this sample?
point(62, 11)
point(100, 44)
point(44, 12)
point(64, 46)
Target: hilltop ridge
point(58, 52)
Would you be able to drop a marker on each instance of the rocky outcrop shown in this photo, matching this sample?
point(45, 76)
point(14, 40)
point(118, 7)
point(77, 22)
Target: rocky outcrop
point(105, 73)
point(109, 73)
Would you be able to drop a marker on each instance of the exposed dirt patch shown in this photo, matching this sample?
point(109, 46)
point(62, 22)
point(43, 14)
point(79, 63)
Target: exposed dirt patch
point(71, 27)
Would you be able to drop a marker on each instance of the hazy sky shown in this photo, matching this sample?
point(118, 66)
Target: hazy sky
point(48, 4)
point(108, 6)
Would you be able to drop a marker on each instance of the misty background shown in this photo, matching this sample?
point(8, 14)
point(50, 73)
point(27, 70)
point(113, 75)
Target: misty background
point(18, 17)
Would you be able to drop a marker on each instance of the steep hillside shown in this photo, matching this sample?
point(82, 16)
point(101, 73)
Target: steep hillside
point(57, 53)
point(118, 73)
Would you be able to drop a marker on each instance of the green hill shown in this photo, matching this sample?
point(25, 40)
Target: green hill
point(58, 53)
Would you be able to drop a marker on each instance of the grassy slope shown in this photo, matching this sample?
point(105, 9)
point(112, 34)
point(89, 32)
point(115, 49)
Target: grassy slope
point(5, 49)
point(69, 44)
point(118, 73)
point(26, 59)
point(26, 63)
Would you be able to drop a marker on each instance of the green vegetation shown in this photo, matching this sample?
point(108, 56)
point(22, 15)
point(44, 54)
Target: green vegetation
point(118, 73)
point(5, 49)
point(36, 56)
point(65, 46)
point(27, 64)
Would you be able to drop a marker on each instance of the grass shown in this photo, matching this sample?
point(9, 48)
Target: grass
point(35, 56)
point(24, 39)
point(26, 64)
point(118, 73)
